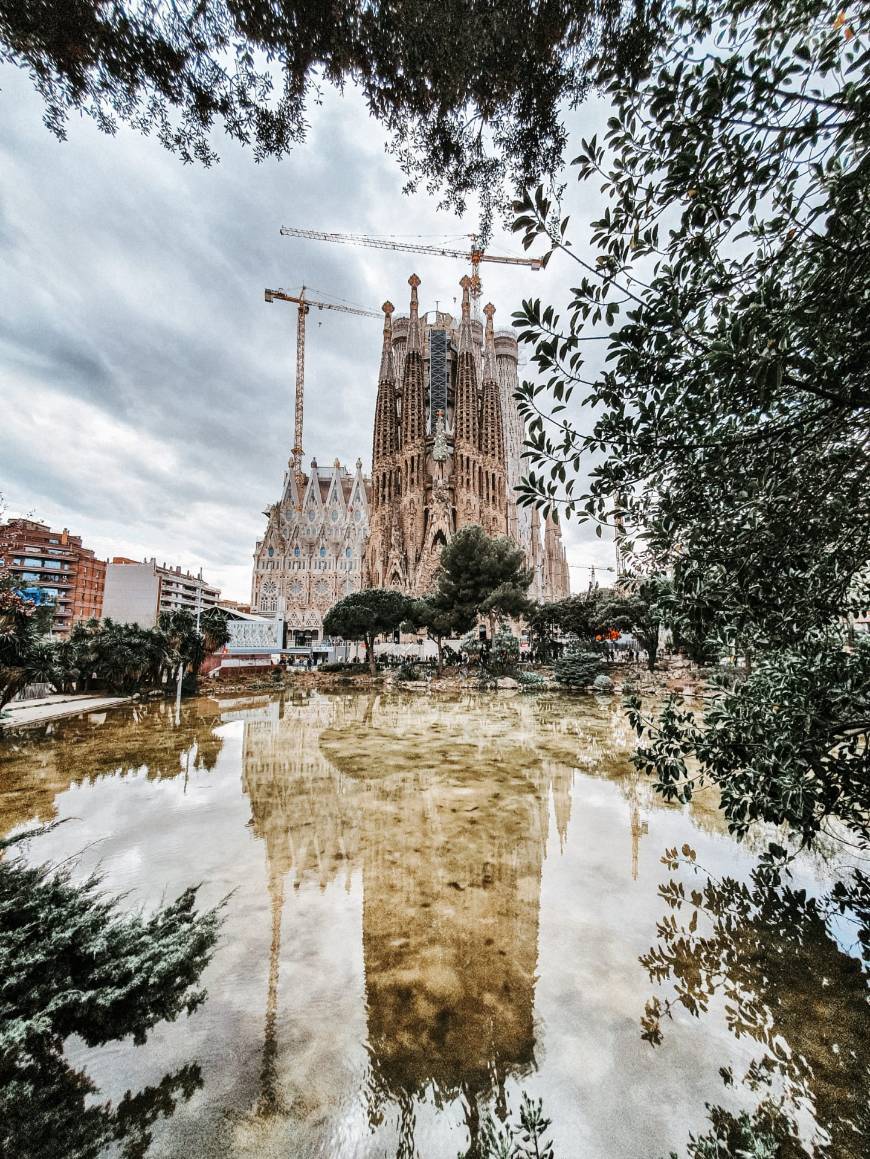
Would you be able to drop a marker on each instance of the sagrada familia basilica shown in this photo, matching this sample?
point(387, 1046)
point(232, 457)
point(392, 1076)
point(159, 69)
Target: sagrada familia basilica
point(446, 454)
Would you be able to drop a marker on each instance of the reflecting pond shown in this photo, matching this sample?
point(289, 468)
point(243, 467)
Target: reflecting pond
point(435, 903)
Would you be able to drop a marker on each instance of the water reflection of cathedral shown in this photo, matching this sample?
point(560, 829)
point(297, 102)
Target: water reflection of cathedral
point(450, 836)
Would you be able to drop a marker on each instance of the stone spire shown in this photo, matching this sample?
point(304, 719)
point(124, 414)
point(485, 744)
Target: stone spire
point(556, 582)
point(386, 437)
point(534, 561)
point(414, 340)
point(465, 324)
point(489, 366)
point(491, 421)
point(465, 414)
point(388, 370)
point(413, 381)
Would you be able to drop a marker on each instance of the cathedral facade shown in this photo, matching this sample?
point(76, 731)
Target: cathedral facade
point(446, 453)
point(447, 449)
point(312, 552)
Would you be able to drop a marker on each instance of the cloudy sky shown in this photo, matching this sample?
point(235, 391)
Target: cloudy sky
point(145, 386)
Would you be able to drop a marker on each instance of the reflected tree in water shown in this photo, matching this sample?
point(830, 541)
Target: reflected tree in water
point(775, 958)
point(527, 1138)
point(40, 764)
point(72, 963)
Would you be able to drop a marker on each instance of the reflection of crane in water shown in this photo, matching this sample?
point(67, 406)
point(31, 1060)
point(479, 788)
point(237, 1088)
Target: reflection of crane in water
point(638, 827)
point(270, 1101)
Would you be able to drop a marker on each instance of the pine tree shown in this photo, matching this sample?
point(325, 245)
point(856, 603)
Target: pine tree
point(71, 962)
point(578, 669)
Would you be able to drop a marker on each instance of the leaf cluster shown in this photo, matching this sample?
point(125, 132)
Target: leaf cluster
point(727, 283)
point(72, 963)
point(471, 96)
point(480, 575)
point(786, 744)
point(368, 613)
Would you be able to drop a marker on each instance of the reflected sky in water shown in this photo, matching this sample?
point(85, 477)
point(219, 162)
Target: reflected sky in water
point(434, 902)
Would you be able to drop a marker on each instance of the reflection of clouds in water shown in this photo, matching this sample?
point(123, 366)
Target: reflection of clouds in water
point(450, 830)
point(517, 819)
point(38, 764)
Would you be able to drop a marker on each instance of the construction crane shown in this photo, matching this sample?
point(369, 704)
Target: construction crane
point(303, 305)
point(475, 254)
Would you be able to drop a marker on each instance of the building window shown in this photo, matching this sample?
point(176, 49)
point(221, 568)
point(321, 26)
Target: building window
point(323, 553)
point(296, 551)
point(348, 552)
point(271, 552)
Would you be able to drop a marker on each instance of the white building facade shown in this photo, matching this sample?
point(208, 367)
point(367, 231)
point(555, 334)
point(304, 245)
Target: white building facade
point(137, 591)
point(311, 554)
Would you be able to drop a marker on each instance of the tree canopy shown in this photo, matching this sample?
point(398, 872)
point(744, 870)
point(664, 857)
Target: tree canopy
point(19, 639)
point(727, 290)
point(483, 576)
point(367, 614)
point(469, 93)
point(641, 605)
point(733, 413)
point(440, 620)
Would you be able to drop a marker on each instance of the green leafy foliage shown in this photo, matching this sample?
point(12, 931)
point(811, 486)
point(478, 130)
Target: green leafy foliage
point(441, 621)
point(366, 614)
point(122, 658)
point(543, 622)
point(213, 625)
point(72, 963)
point(728, 284)
point(125, 658)
point(483, 576)
point(579, 615)
point(578, 669)
point(725, 287)
point(641, 605)
point(21, 657)
point(503, 654)
point(786, 744)
point(468, 98)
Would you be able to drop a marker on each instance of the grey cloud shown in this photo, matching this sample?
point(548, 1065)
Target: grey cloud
point(133, 286)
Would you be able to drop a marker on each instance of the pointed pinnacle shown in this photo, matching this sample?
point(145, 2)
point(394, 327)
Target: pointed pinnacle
point(414, 340)
point(465, 282)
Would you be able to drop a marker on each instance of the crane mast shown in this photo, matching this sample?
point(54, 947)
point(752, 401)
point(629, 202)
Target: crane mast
point(476, 254)
point(303, 305)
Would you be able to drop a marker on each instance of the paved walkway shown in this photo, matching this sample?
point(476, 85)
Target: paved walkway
point(24, 713)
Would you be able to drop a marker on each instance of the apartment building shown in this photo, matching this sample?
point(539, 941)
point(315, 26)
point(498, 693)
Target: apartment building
point(52, 567)
point(137, 591)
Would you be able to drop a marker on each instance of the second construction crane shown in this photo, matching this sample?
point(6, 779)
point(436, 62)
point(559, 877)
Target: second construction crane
point(475, 255)
point(303, 305)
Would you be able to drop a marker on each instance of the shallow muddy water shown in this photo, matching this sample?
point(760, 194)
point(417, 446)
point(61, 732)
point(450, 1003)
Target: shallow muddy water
point(434, 904)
